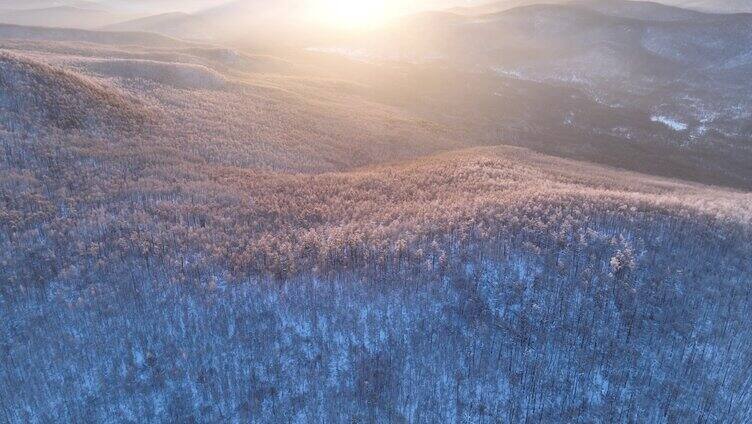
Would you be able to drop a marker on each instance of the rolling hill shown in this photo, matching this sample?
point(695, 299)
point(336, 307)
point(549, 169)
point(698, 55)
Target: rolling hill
point(258, 21)
point(529, 260)
point(511, 217)
point(47, 4)
point(718, 6)
point(660, 10)
point(176, 24)
point(18, 32)
point(685, 72)
point(36, 98)
point(62, 17)
point(226, 106)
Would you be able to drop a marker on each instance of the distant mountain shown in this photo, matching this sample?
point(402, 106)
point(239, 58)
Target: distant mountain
point(634, 45)
point(258, 20)
point(45, 4)
point(646, 10)
point(151, 7)
point(61, 16)
point(252, 20)
point(176, 24)
point(17, 32)
point(719, 6)
point(583, 38)
point(497, 6)
point(664, 77)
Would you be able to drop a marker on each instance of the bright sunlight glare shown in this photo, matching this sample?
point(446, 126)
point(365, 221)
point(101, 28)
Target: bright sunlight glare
point(352, 14)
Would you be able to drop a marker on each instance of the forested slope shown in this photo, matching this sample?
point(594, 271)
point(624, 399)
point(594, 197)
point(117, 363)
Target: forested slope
point(479, 285)
point(217, 105)
point(37, 98)
point(188, 234)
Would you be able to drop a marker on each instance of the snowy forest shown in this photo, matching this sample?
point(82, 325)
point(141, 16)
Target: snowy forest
point(201, 234)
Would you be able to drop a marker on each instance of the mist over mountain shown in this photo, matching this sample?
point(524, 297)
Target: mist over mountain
point(47, 4)
point(158, 6)
point(231, 20)
point(684, 71)
point(61, 16)
point(177, 24)
point(643, 7)
point(516, 212)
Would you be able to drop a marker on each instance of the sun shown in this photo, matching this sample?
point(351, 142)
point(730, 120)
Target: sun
point(351, 14)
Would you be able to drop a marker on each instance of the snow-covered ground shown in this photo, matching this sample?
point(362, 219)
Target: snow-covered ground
point(669, 122)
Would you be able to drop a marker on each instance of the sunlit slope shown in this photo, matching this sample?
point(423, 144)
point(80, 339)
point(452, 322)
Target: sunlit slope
point(494, 268)
point(190, 233)
point(37, 98)
point(227, 107)
point(309, 113)
point(208, 208)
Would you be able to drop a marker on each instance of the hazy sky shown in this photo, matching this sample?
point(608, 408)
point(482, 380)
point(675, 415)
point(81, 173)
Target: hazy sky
point(405, 6)
point(333, 13)
point(193, 5)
